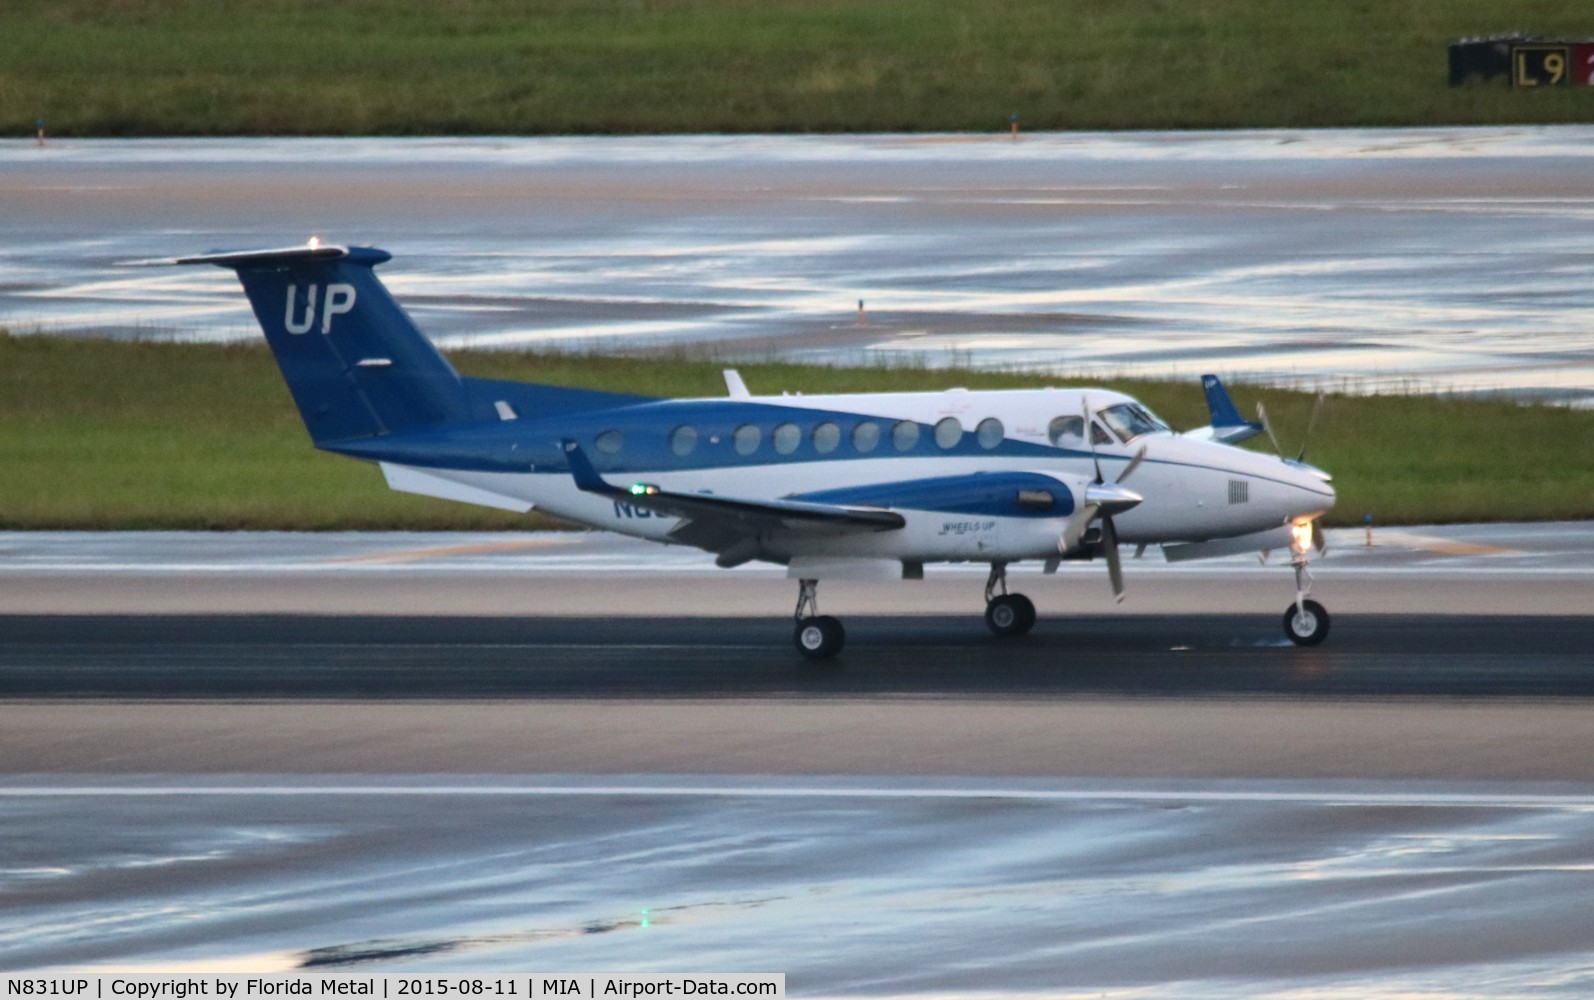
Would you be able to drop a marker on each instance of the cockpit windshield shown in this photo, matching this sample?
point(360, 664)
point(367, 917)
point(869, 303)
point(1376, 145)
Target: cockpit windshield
point(1130, 420)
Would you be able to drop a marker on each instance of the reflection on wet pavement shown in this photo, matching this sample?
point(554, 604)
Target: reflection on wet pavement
point(1410, 260)
point(1248, 887)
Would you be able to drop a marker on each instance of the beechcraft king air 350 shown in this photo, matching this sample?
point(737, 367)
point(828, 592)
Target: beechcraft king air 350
point(841, 486)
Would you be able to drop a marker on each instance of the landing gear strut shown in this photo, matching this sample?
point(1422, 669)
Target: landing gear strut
point(1006, 614)
point(818, 637)
point(1305, 621)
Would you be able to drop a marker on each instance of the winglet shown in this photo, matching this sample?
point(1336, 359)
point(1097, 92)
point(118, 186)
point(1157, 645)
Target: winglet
point(586, 477)
point(734, 386)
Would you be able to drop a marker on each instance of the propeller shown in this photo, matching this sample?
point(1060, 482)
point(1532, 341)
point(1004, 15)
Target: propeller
point(1311, 422)
point(1103, 500)
point(1316, 540)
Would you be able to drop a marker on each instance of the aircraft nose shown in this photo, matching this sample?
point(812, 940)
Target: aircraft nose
point(1316, 484)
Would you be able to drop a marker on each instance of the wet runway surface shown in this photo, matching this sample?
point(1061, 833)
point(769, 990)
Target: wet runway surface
point(293, 656)
point(448, 752)
point(904, 888)
point(1413, 260)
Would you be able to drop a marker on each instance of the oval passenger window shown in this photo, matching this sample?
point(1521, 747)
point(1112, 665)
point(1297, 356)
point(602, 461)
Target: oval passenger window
point(787, 437)
point(905, 435)
point(865, 437)
point(826, 437)
point(948, 432)
point(748, 438)
point(683, 440)
point(990, 433)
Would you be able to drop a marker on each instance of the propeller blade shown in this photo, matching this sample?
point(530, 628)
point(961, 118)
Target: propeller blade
point(1261, 416)
point(1310, 423)
point(1074, 530)
point(1319, 542)
point(1115, 569)
point(1089, 431)
point(1134, 463)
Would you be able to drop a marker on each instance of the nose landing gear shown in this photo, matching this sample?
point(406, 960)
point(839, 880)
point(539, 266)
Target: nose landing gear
point(1006, 614)
point(1305, 621)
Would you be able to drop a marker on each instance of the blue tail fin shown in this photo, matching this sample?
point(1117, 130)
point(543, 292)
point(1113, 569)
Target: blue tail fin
point(1227, 424)
point(356, 365)
point(1218, 402)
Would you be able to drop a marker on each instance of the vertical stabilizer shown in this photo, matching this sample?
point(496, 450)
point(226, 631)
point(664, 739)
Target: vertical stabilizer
point(356, 365)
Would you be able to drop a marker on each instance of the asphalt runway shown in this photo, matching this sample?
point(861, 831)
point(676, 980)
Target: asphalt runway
point(540, 751)
point(410, 657)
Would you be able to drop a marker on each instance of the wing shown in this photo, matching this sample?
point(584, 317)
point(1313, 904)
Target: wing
point(731, 526)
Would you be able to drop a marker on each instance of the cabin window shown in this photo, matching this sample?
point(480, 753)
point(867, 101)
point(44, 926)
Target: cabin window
point(865, 437)
point(748, 438)
point(948, 432)
point(787, 437)
point(990, 433)
point(1066, 431)
point(826, 437)
point(1098, 434)
point(610, 442)
point(683, 440)
point(905, 435)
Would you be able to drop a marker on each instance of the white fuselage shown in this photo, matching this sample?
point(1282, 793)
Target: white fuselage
point(1193, 490)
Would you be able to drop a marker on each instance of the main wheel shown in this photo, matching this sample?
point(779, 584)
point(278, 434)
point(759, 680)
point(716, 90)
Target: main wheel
point(1010, 614)
point(820, 638)
point(1306, 625)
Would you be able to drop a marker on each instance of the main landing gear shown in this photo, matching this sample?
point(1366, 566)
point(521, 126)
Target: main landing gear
point(1305, 621)
point(818, 637)
point(1006, 614)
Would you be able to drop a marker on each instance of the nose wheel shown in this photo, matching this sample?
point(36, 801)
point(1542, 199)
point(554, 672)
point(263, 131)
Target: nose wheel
point(1305, 621)
point(1006, 614)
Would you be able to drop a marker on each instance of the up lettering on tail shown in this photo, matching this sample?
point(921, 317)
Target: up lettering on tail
point(338, 300)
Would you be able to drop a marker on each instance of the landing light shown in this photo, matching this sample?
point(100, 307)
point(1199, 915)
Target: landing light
point(1301, 536)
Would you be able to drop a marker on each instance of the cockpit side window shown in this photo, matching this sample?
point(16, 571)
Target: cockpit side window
point(1130, 420)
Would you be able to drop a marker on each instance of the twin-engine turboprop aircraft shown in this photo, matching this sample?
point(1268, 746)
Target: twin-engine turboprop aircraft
point(870, 485)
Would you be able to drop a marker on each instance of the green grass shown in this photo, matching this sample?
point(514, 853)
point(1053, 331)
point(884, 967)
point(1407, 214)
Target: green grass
point(98, 434)
point(404, 67)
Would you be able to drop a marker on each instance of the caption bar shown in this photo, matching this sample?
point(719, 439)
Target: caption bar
point(519, 985)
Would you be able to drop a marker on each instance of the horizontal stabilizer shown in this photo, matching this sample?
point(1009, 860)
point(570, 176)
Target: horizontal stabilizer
point(407, 479)
point(308, 253)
